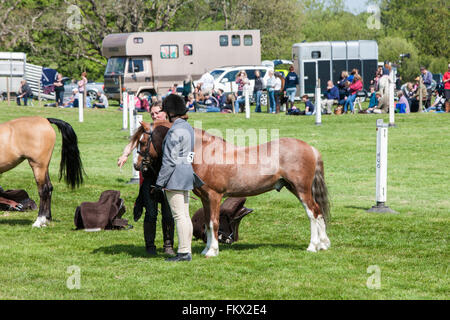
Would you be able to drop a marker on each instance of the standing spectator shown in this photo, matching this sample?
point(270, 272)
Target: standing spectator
point(25, 93)
point(446, 81)
point(257, 90)
point(242, 81)
point(356, 86)
point(59, 91)
point(427, 77)
point(277, 89)
point(206, 82)
point(342, 85)
point(290, 86)
point(332, 97)
point(82, 83)
point(271, 92)
point(383, 83)
point(187, 87)
point(102, 102)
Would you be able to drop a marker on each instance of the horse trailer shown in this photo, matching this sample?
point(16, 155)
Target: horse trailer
point(327, 59)
point(152, 62)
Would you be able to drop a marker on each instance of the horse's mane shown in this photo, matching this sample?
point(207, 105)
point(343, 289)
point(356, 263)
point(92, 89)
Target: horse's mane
point(137, 135)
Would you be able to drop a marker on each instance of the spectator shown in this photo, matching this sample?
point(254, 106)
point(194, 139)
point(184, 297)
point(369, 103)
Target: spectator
point(221, 97)
point(206, 82)
point(25, 93)
point(415, 99)
point(376, 79)
point(277, 89)
point(352, 75)
point(290, 86)
point(187, 87)
point(446, 81)
point(59, 91)
point(257, 90)
point(82, 83)
point(309, 107)
point(373, 98)
point(191, 104)
point(383, 83)
point(73, 100)
point(402, 104)
point(271, 92)
point(383, 104)
point(439, 103)
point(102, 102)
point(143, 105)
point(211, 103)
point(342, 85)
point(427, 78)
point(331, 95)
point(356, 86)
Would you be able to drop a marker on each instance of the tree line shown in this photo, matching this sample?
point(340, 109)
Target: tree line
point(67, 35)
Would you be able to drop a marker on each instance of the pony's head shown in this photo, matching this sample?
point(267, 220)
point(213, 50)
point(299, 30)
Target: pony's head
point(148, 139)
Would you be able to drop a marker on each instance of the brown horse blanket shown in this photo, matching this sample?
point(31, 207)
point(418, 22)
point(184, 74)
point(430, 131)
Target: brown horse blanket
point(232, 211)
point(19, 196)
point(106, 213)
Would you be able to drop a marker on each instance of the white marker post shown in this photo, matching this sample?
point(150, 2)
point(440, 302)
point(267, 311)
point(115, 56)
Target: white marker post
point(391, 100)
point(125, 111)
point(135, 174)
point(318, 103)
point(131, 112)
point(381, 169)
point(247, 103)
point(80, 107)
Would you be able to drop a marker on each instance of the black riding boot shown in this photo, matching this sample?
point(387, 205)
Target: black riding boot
point(149, 237)
point(168, 226)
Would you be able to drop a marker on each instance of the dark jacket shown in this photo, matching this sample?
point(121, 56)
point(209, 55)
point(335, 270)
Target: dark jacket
point(332, 94)
point(259, 85)
point(291, 81)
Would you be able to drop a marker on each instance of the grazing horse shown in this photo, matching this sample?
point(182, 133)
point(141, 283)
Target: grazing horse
point(33, 138)
point(285, 162)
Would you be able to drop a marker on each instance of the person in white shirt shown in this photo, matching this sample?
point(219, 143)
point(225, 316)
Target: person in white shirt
point(277, 89)
point(206, 83)
point(102, 102)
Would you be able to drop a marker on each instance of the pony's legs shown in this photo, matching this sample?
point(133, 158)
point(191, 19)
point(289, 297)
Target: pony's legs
point(319, 238)
point(45, 189)
point(212, 226)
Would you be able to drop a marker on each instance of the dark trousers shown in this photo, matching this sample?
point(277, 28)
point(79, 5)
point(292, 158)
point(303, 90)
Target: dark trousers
point(25, 99)
point(151, 205)
point(59, 98)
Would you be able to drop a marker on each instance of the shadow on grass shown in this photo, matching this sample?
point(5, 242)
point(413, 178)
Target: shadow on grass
point(16, 222)
point(358, 208)
point(132, 250)
point(250, 246)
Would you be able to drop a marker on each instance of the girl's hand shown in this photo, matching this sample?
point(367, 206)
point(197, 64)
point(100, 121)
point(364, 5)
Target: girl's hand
point(121, 161)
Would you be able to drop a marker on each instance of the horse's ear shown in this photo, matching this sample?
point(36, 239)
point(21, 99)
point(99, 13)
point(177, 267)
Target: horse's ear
point(146, 125)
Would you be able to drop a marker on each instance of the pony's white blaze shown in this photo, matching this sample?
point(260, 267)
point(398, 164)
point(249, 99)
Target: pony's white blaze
point(41, 221)
point(213, 249)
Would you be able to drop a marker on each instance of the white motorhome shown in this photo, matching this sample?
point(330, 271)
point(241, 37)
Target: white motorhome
point(327, 59)
point(152, 62)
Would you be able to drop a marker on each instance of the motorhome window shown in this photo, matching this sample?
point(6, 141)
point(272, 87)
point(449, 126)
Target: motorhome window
point(236, 40)
point(315, 54)
point(115, 65)
point(248, 40)
point(216, 73)
point(250, 74)
point(187, 49)
point(138, 65)
point(169, 52)
point(223, 40)
point(138, 40)
point(231, 76)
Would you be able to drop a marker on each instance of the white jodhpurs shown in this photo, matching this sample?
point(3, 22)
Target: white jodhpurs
point(179, 205)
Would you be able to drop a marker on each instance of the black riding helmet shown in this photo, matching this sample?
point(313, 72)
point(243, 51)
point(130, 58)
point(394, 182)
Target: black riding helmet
point(174, 105)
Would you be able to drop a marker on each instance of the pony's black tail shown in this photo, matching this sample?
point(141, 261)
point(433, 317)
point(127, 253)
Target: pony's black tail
point(71, 167)
point(320, 191)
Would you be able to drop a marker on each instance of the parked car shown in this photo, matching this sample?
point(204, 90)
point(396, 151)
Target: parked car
point(94, 89)
point(225, 78)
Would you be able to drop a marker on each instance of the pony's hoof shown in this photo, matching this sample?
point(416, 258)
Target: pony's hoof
point(40, 222)
point(205, 251)
point(212, 253)
point(312, 248)
point(325, 244)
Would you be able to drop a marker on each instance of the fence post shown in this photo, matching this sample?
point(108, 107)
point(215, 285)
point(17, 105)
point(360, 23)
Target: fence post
point(247, 103)
point(391, 100)
point(318, 104)
point(80, 107)
point(381, 169)
point(131, 112)
point(125, 111)
point(8, 94)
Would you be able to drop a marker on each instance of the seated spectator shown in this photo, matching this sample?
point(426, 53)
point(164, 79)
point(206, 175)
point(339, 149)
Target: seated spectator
point(309, 107)
point(221, 98)
point(211, 103)
point(383, 104)
point(191, 104)
point(402, 104)
point(73, 100)
point(24, 93)
point(439, 103)
point(356, 86)
point(342, 85)
point(102, 102)
point(331, 97)
point(373, 98)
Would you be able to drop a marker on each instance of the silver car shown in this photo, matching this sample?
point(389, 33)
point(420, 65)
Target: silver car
point(93, 89)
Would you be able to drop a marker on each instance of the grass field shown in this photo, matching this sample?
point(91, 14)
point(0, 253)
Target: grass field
point(270, 261)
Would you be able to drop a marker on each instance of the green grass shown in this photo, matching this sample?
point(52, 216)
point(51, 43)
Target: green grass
point(270, 260)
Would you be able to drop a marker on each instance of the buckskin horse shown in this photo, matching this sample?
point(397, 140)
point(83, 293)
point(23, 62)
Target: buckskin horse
point(288, 162)
point(33, 138)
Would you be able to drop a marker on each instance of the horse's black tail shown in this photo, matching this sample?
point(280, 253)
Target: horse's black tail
point(320, 191)
point(70, 167)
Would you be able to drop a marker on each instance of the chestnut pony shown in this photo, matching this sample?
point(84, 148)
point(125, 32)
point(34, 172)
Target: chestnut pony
point(33, 138)
point(283, 162)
